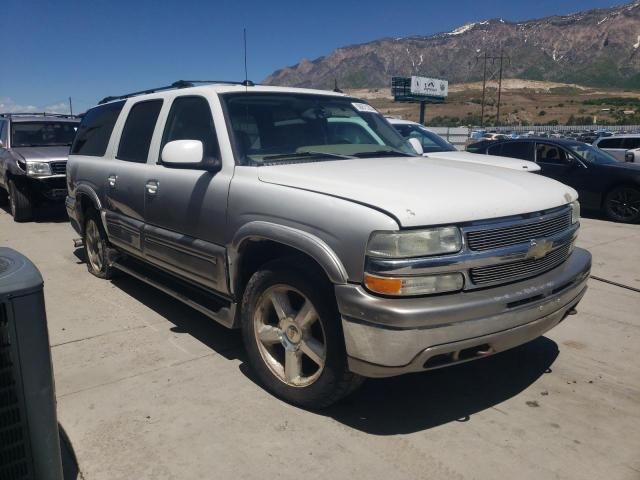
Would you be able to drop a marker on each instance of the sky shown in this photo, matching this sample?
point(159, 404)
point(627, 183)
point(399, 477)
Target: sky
point(53, 49)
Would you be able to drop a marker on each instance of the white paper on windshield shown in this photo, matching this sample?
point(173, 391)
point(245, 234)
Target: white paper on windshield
point(364, 107)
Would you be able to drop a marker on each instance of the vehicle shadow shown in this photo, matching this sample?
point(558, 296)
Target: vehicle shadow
point(422, 401)
point(46, 214)
point(225, 342)
point(70, 467)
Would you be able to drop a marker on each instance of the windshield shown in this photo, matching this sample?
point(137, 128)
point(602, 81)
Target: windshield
point(270, 128)
point(431, 142)
point(593, 154)
point(42, 134)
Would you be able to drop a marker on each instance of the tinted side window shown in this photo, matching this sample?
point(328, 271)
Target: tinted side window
point(631, 143)
point(610, 143)
point(138, 130)
point(548, 153)
point(521, 150)
point(3, 133)
point(95, 130)
point(190, 119)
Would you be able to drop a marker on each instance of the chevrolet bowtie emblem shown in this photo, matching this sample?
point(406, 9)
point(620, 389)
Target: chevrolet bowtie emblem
point(539, 249)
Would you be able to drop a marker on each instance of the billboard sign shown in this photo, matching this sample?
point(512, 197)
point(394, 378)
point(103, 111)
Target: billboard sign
point(429, 87)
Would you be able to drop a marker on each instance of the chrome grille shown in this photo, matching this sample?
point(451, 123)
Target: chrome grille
point(58, 168)
point(508, 272)
point(13, 449)
point(499, 237)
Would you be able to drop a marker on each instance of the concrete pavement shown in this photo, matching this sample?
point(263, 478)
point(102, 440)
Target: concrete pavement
point(148, 388)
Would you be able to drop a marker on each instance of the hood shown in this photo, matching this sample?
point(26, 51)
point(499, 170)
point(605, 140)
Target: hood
point(505, 162)
point(43, 154)
point(423, 193)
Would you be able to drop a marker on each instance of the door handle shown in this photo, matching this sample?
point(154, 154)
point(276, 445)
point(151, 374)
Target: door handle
point(111, 180)
point(152, 187)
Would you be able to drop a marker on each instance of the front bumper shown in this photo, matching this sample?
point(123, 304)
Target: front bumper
point(387, 337)
point(52, 189)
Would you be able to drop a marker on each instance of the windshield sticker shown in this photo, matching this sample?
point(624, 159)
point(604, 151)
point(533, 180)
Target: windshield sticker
point(364, 107)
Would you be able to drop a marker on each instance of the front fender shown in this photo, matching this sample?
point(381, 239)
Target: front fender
point(307, 243)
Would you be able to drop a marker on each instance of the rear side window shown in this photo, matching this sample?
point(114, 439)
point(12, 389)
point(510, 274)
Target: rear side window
point(95, 130)
point(610, 143)
point(190, 119)
point(521, 150)
point(631, 143)
point(138, 130)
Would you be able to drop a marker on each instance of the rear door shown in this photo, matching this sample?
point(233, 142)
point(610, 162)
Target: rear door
point(125, 179)
point(185, 208)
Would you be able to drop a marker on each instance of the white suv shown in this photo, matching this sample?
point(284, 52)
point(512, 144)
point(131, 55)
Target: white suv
point(624, 148)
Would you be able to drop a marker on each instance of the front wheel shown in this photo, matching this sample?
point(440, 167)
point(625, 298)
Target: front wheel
point(19, 203)
point(622, 204)
point(292, 333)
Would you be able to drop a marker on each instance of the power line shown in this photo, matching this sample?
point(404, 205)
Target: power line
point(492, 74)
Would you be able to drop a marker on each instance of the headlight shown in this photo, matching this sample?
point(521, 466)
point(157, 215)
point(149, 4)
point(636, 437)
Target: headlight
point(419, 243)
point(410, 286)
point(38, 168)
point(575, 213)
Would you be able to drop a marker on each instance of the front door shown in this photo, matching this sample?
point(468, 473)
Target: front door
point(185, 209)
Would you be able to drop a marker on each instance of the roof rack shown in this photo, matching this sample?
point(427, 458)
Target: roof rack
point(175, 85)
point(37, 114)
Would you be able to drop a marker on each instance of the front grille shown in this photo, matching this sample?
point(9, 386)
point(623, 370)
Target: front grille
point(508, 272)
point(516, 234)
point(13, 449)
point(58, 168)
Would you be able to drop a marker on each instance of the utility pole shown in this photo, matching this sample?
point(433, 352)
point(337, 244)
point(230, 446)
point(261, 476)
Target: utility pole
point(499, 87)
point(491, 76)
point(70, 107)
point(484, 88)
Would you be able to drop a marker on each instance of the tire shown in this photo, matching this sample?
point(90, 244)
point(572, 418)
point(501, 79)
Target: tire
point(4, 197)
point(96, 248)
point(299, 357)
point(622, 204)
point(19, 204)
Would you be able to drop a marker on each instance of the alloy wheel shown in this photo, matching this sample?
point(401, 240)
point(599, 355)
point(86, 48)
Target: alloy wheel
point(290, 336)
point(95, 246)
point(625, 203)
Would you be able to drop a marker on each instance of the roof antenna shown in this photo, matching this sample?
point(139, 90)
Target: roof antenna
point(246, 75)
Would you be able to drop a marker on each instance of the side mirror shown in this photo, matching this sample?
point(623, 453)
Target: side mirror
point(417, 145)
point(188, 154)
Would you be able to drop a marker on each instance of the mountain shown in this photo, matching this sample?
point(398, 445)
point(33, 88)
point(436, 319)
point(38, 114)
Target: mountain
point(596, 47)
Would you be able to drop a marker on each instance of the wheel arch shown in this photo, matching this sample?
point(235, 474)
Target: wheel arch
point(257, 243)
point(87, 198)
point(624, 183)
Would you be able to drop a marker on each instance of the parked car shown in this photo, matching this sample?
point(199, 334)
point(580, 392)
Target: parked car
point(603, 183)
point(340, 255)
point(33, 159)
point(625, 148)
point(434, 146)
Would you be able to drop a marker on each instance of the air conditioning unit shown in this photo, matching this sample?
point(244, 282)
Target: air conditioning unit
point(29, 441)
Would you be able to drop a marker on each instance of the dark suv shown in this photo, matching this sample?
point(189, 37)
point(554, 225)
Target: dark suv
point(33, 159)
point(602, 182)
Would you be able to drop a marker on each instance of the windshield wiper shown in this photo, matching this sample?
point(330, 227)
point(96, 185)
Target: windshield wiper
point(307, 154)
point(382, 153)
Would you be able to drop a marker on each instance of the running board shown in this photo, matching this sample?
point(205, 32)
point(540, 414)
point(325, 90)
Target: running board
point(219, 309)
